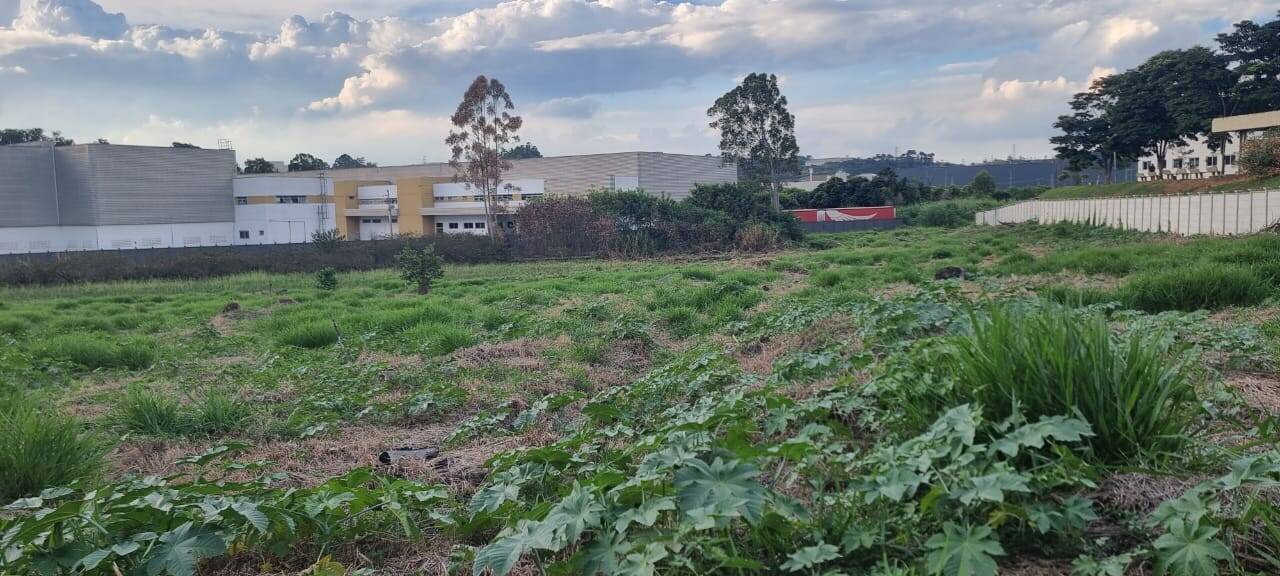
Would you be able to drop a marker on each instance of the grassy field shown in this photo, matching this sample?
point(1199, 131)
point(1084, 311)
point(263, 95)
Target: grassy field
point(1080, 400)
point(1162, 187)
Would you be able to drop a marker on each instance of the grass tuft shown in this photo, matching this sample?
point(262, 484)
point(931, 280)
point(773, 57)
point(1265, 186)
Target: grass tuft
point(1056, 362)
point(1205, 286)
point(41, 448)
point(309, 335)
point(149, 412)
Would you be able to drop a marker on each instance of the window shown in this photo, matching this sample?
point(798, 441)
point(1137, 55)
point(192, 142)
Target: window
point(1210, 161)
point(510, 224)
point(453, 225)
point(241, 200)
point(1147, 166)
point(244, 234)
point(439, 227)
point(504, 197)
point(479, 225)
point(1229, 160)
point(1177, 163)
point(290, 199)
point(1193, 163)
point(262, 232)
point(468, 225)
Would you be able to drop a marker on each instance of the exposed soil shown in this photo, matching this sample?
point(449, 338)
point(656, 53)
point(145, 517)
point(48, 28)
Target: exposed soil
point(1260, 391)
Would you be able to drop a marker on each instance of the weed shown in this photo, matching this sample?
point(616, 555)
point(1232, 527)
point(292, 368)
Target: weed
point(1197, 287)
point(1135, 394)
point(310, 335)
point(41, 447)
point(149, 412)
point(217, 414)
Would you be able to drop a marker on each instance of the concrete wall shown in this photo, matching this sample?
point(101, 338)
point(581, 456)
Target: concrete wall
point(1230, 213)
point(41, 239)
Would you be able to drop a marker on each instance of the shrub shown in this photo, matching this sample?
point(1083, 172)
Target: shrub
point(327, 279)
point(309, 335)
point(327, 240)
point(41, 447)
point(420, 266)
point(1260, 156)
point(149, 412)
point(945, 214)
point(1056, 362)
point(756, 238)
point(1205, 286)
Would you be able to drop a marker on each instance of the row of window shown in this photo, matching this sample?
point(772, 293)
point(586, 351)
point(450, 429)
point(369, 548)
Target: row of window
point(377, 220)
point(1190, 163)
point(498, 197)
point(440, 226)
point(244, 201)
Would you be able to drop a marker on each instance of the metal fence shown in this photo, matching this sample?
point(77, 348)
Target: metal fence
point(1220, 214)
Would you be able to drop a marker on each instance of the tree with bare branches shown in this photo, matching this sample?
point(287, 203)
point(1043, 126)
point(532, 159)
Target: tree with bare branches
point(484, 130)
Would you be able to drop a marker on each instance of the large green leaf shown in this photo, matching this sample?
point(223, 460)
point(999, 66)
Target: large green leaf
point(1189, 549)
point(810, 557)
point(701, 485)
point(963, 551)
point(577, 513)
point(645, 515)
point(181, 550)
point(502, 554)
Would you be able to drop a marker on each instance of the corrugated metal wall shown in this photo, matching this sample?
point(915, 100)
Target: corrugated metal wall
point(674, 175)
point(575, 175)
point(144, 185)
point(76, 202)
point(26, 187)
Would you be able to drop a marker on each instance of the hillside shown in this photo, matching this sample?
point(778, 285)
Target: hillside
point(1160, 188)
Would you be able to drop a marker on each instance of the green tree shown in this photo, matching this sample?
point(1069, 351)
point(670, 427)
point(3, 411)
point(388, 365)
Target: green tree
point(983, 184)
point(484, 128)
point(420, 266)
point(258, 166)
point(184, 145)
point(526, 150)
point(1253, 52)
point(346, 161)
point(307, 163)
point(758, 132)
point(21, 135)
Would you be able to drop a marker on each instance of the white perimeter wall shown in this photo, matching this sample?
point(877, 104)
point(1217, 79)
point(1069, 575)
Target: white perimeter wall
point(127, 237)
point(1217, 214)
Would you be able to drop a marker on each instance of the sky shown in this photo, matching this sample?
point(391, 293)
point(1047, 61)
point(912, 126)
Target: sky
point(965, 79)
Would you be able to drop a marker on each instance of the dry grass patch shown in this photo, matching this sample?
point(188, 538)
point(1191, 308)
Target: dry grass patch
point(521, 353)
point(1260, 391)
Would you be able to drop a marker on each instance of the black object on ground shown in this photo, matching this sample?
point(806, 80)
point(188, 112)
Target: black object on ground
point(394, 454)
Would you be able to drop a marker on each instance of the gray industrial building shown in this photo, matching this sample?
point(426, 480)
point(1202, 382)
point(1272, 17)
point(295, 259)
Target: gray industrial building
point(100, 196)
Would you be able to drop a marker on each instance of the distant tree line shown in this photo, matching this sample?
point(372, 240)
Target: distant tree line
point(1170, 99)
point(888, 189)
point(28, 135)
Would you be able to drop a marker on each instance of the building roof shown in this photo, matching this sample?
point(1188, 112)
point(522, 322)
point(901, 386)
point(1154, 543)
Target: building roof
point(1259, 121)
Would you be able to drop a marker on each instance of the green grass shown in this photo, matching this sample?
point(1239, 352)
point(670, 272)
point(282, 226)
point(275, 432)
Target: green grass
point(93, 353)
point(42, 447)
point(1207, 286)
point(1135, 394)
point(149, 412)
point(1156, 188)
point(317, 334)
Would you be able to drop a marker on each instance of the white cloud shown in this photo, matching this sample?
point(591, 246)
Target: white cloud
point(80, 17)
point(980, 72)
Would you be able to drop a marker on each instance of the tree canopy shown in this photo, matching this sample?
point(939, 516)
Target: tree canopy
point(347, 161)
point(523, 151)
point(259, 166)
point(27, 135)
point(984, 184)
point(184, 145)
point(307, 163)
point(758, 132)
point(484, 128)
point(1170, 98)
